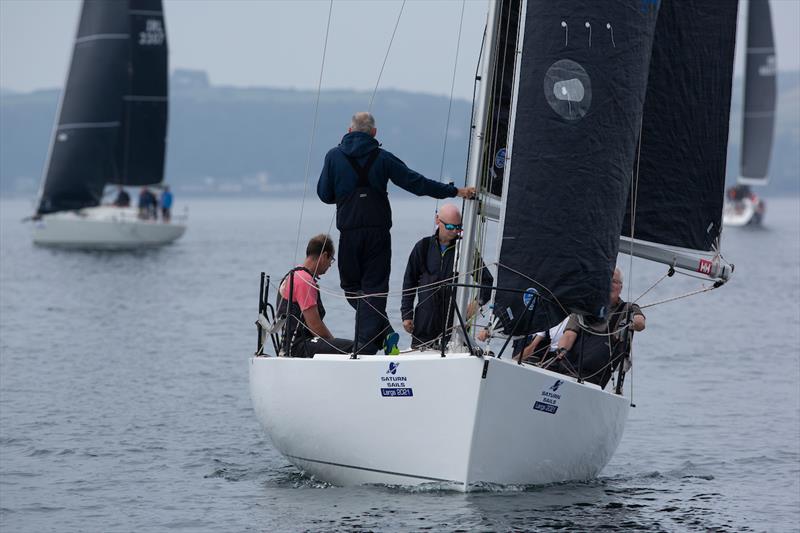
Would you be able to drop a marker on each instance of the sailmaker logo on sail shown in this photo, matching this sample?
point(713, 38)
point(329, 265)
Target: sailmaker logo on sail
point(393, 386)
point(549, 400)
point(154, 33)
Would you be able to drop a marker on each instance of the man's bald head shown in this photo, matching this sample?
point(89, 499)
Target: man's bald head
point(450, 213)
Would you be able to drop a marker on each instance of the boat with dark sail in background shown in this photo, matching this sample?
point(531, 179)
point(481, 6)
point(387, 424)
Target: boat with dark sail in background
point(110, 130)
point(593, 135)
point(743, 206)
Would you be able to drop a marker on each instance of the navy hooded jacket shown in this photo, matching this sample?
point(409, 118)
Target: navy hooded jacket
point(338, 178)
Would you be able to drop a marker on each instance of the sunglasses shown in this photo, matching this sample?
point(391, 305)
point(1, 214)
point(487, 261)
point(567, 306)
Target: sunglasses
point(451, 227)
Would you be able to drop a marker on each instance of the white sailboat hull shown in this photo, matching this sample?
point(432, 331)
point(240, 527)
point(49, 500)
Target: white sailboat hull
point(461, 420)
point(741, 213)
point(103, 227)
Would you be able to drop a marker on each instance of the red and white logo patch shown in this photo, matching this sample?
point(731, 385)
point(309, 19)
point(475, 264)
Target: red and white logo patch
point(705, 267)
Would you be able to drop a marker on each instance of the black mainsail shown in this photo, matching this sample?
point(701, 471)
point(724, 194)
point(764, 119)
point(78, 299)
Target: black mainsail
point(576, 119)
point(758, 119)
point(111, 125)
point(502, 87)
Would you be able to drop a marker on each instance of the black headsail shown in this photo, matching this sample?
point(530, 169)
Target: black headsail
point(681, 175)
point(105, 132)
point(758, 121)
point(578, 110)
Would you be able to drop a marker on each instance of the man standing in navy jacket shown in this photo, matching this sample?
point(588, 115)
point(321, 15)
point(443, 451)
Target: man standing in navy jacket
point(354, 177)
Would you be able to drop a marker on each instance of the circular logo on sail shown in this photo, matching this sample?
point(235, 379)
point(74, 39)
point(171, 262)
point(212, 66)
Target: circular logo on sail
point(529, 298)
point(568, 89)
point(500, 158)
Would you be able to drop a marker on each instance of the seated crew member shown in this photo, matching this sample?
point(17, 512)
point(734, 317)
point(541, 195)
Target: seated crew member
point(429, 264)
point(603, 351)
point(544, 344)
point(308, 334)
point(123, 199)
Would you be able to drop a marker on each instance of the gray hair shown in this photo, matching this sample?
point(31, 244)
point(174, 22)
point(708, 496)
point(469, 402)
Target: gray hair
point(618, 270)
point(363, 121)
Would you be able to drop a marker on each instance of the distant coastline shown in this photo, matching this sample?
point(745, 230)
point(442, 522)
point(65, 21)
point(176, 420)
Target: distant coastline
point(229, 142)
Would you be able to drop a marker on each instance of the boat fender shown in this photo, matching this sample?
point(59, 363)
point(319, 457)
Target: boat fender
point(485, 368)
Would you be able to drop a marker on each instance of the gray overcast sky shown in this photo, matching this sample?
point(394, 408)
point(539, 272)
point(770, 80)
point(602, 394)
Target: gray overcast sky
point(279, 43)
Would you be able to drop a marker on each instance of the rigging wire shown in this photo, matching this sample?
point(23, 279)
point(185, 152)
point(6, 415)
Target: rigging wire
point(313, 130)
point(402, 292)
point(388, 49)
point(634, 195)
point(452, 89)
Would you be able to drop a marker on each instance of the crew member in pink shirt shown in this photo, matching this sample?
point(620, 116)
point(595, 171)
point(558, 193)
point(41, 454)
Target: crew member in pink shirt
point(305, 333)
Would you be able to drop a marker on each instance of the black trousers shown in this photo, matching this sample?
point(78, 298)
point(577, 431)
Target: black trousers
point(311, 347)
point(365, 262)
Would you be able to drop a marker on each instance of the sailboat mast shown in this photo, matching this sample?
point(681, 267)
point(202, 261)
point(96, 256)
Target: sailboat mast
point(470, 216)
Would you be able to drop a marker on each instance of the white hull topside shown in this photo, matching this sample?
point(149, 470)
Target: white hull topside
point(461, 421)
point(103, 227)
point(737, 214)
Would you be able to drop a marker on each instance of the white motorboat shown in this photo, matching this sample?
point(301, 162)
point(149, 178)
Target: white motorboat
point(110, 129)
point(104, 227)
point(562, 134)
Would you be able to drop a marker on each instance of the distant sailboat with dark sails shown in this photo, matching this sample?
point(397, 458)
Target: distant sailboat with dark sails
point(742, 205)
point(599, 128)
point(110, 129)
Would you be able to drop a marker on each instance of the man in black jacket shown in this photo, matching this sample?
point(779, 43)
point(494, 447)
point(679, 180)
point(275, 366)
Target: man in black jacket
point(429, 265)
point(354, 177)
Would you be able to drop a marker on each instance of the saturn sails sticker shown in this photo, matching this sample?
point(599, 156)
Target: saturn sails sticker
point(393, 384)
point(548, 402)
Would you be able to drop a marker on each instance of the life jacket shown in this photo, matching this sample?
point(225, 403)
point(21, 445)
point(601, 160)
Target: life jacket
point(432, 295)
point(295, 326)
point(365, 206)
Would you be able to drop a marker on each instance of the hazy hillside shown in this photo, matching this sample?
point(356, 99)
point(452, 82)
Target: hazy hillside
point(226, 140)
point(235, 140)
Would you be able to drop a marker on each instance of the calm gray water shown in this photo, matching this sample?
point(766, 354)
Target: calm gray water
point(124, 398)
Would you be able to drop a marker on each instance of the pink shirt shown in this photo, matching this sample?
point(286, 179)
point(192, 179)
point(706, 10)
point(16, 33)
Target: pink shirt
point(305, 289)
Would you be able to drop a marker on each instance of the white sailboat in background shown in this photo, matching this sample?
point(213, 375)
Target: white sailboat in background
point(565, 134)
point(743, 206)
point(110, 130)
